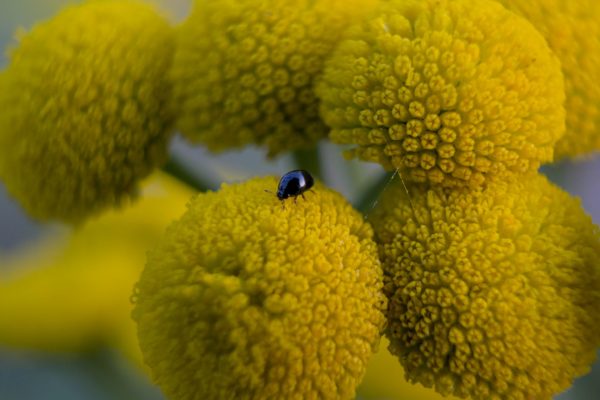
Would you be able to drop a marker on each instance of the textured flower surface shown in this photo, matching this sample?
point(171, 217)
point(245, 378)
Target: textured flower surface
point(83, 109)
point(493, 294)
point(244, 70)
point(244, 299)
point(572, 29)
point(72, 294)
point(451, 92)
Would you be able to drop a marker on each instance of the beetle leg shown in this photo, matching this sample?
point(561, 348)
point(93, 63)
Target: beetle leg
point(302, 194)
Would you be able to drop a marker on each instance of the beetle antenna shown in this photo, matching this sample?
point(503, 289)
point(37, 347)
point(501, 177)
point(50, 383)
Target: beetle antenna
point(396, 172)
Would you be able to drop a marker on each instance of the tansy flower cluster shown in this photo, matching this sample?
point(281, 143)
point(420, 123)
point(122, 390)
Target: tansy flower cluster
point(84, 109)
point(493, 293)
point(490, 271)
point(244, 70)
point(246, 299)
point(449, 92)
point(483, 276)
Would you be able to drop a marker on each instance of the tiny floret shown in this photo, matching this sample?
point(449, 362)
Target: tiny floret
point(244, 70)
point(449, 92)
point(493, 293)
point(246, 300)
point(84, 112)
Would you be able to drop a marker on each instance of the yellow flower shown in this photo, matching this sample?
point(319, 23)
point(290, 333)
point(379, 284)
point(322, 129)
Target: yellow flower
point(244, 299)
point(73, 294)
point(450, 92)
point(572, 29)
point(83, 109)
point(244, 70)
point(494, 294)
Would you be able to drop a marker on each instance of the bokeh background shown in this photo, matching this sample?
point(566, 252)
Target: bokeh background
point(104, 373)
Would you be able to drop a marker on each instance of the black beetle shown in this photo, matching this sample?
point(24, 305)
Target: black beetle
point(294, 184)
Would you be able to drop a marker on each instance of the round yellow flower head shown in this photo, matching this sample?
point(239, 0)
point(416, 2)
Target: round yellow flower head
point(572, 29)
point(83, 109)
point(450, 92)
point(244, 70)
point(245, 299)
point(494, 293)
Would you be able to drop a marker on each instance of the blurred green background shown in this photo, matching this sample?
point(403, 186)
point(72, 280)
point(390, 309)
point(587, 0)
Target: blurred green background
point(103, 374)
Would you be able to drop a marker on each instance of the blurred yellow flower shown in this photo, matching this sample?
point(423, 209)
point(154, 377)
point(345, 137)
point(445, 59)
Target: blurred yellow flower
point(244, 70)
point(72, 294)
point(493, 294)
point(245, 299)
point(450, 92)
point(84, 109)
point(572, 29)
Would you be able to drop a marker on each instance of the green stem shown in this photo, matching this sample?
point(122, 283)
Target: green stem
point(309, 160)
point(370, 195)
point(180, 171)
